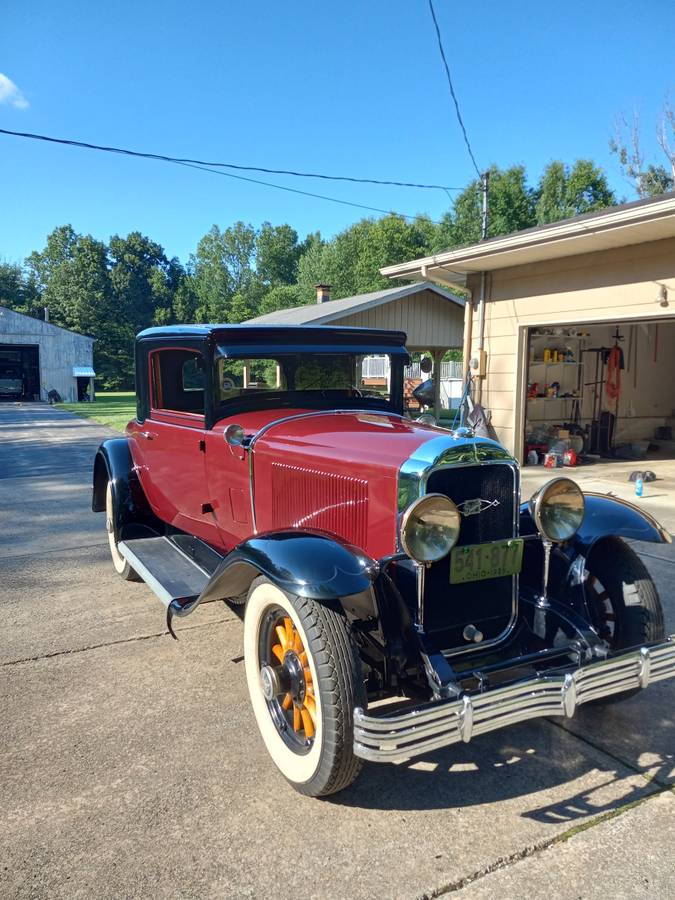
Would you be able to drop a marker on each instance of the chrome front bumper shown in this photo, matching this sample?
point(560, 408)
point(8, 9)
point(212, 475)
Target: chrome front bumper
point(422, 729)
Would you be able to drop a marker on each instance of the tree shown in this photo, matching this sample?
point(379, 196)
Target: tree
point(278, 253)
point(566, 191)
point(139, 276)
point(18, 291)
point(351, 262)
point(283, 296)
point(649, 179)
point(222, 267)
point(511, 207)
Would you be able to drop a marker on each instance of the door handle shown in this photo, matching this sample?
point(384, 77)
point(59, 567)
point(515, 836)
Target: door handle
point(148, 435)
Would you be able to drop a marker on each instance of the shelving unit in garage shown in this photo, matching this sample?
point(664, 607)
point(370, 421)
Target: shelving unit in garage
point(554, 410)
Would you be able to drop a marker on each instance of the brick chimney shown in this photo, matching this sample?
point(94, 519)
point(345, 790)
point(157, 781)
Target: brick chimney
point(322, 292)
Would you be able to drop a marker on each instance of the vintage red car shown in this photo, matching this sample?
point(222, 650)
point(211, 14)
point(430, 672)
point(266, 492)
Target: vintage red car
point(398, 596)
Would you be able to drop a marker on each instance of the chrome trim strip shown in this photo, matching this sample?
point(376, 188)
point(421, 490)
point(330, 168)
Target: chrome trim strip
point(249, 447)
point(424, 728)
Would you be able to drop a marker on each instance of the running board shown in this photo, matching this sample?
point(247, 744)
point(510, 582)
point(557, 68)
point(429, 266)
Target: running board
point(168, 571)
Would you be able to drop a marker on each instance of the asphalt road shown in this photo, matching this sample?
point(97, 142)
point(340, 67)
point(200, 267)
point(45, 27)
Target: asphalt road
point(131, 765)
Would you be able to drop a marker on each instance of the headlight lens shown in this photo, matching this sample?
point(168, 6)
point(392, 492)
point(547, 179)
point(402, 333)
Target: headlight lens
point(430, 528)
point(558, 509)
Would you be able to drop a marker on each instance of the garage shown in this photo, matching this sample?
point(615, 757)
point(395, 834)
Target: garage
point(570, 327)
point(38, 358)
point(19, 372)
point(600, 391)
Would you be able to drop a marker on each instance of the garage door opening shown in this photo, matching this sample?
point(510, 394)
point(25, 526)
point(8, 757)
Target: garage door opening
point(600, 393)
point(19, 372)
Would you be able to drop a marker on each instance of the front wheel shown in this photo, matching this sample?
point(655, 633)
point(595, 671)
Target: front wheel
point(623, 601)
point(304, 680)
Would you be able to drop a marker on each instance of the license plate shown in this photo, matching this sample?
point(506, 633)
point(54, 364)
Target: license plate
point(495, 559)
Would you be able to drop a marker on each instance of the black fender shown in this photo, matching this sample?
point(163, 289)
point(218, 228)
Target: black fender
point(606, 517)
point(308, 564)
point(133, 515)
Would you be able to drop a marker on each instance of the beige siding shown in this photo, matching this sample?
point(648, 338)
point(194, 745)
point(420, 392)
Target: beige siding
point(609, 286)
point(427, 319)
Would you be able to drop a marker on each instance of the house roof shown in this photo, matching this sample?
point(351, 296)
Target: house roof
point(617, 226)
point(321, 313)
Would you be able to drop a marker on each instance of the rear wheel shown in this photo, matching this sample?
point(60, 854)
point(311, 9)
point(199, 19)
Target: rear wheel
point(120, 564)
point(304, 680)
point(625, 607)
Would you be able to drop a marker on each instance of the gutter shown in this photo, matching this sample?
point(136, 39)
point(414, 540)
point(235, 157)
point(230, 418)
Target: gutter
point(572, 229)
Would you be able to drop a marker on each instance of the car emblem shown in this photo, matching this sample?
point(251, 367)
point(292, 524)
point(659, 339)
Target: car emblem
point(476, 506)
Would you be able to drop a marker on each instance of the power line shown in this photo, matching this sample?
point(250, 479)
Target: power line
point(281, 187)
point(200, 162)
point(452, 90)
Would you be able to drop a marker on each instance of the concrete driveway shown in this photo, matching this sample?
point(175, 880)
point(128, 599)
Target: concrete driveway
point(131, 765)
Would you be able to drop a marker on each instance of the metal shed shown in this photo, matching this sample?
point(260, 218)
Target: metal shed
point(37, 357)
point(432, 318)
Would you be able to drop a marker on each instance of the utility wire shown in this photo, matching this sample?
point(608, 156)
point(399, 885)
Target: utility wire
point(200, 162)
point(452, 90)
point(281, 187)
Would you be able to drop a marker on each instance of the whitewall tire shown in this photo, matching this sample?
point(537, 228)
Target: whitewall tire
point(304, 680)
point(120, 564)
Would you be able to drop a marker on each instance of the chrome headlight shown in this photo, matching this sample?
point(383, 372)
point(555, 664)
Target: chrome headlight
point(430, 528)
point(558, 509)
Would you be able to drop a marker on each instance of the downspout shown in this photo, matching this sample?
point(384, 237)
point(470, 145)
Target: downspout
point(485, 178)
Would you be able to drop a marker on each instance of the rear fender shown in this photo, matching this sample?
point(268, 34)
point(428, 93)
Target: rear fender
point(133, 515)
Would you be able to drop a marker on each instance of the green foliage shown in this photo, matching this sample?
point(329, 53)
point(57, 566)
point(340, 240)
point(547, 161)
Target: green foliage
point(112, 291)
point(565, 192)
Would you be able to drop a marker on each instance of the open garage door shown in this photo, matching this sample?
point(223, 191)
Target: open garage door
point(604, 391)
point(19, 372)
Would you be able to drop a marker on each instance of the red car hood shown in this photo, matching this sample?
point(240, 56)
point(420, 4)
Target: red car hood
point(361, 440)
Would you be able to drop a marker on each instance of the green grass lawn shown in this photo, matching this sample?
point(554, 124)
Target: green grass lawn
point(113, 409)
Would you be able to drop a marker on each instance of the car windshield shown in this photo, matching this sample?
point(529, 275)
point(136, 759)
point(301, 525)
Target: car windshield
point(307, 379)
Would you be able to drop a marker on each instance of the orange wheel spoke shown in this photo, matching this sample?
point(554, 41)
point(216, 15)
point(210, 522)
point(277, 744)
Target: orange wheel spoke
point(310, 706)
point(307, 672)
point(283, 639)
point(303, 658)
point(287, 702)
point(278, 652)
point(307, 723)
point(297, 643)
point(289, 631)
point(297, 719)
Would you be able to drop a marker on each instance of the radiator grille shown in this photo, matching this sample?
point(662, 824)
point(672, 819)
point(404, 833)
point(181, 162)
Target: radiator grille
point(487, 604)
point(308, 498)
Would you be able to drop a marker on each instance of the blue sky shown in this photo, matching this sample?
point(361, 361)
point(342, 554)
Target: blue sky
point(347, 87)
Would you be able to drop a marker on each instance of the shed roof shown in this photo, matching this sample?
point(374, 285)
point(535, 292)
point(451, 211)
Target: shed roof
point(33, 325)
point(330, 310)
point(617, 226)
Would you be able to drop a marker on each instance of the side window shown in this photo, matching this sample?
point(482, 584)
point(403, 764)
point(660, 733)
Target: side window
point(193, 374)
point(178, 380)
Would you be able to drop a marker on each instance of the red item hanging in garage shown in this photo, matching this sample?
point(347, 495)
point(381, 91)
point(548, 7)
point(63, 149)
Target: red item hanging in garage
point(614, 366)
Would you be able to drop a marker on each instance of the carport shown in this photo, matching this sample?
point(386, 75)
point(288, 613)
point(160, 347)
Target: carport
point(431, 317)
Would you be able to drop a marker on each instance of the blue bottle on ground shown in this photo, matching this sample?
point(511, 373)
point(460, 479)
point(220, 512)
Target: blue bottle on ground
point(638, 486)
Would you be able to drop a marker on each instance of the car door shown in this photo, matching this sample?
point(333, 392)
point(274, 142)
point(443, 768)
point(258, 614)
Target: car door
point(169, 446)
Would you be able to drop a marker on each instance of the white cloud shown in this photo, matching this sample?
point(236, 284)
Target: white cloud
point(10, 94)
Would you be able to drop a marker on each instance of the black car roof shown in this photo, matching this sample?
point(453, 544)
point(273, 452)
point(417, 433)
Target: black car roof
point(232, 338)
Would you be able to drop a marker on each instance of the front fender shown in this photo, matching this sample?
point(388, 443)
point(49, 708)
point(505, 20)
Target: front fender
point(607, 517)
point(307, 564)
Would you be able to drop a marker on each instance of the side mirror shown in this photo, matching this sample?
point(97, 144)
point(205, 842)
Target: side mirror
point(234, 435)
